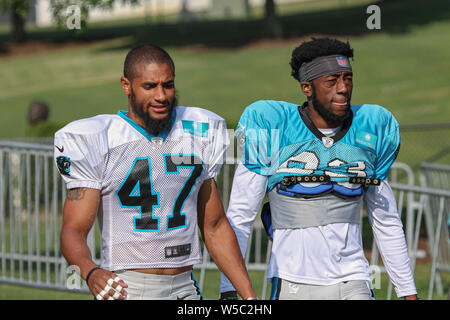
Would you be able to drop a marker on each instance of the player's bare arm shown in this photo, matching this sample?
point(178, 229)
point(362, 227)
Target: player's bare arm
point(220, 239)
point(76, 194)
point(80, 210)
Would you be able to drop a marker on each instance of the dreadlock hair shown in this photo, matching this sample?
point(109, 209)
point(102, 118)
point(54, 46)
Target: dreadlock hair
point(317, 47)
point(145, 54)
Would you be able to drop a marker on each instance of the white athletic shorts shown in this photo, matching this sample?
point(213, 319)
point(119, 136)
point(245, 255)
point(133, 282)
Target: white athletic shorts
point(142, 286)
point(347, 290)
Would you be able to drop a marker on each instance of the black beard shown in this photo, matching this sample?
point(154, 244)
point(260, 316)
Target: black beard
point(151, 125)
point(326, 114)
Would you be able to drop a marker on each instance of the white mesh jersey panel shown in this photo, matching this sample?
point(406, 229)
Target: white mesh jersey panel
point(127, 241)
point(148, 210)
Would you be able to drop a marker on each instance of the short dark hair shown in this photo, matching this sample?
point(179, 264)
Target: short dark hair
point(317, 47)
point(146, 53)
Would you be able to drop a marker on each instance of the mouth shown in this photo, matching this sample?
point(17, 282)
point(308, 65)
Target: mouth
point(340, 104)
point(159, 108)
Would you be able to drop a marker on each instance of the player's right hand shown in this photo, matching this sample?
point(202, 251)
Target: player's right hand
point(229, 295)
point(106, 285)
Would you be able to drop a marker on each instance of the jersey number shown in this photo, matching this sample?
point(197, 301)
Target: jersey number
point(310, 162)
point(136, 191)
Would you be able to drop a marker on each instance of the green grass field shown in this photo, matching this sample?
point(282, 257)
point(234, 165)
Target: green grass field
point(211, 288)
point(226, 65)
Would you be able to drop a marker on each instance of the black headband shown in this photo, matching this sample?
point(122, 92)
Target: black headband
point(324, 65)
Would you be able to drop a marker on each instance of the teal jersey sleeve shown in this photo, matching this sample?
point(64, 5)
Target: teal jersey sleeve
point(258, 136)
point(389, 146)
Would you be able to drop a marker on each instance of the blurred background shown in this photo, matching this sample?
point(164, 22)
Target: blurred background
point(60, 63)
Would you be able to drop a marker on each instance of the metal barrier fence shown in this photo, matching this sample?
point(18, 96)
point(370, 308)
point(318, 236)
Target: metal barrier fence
point(420, 204)
point(31, 196)
point(438, 226)
point(31, 200)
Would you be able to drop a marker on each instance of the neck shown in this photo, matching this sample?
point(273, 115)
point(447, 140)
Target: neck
point(133, 116)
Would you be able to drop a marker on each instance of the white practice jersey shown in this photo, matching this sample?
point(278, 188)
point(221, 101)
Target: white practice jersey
point(149, 184)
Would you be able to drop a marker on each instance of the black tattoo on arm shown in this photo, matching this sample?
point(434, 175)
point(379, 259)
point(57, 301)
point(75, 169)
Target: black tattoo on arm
point(76, 194)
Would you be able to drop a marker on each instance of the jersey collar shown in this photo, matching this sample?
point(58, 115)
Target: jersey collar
point(163, 134)
point(310, 125)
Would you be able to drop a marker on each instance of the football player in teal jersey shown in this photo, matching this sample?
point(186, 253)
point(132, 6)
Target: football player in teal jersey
point(319, 162)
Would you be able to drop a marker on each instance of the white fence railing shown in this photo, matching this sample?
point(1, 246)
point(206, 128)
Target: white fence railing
point(32, 195)
point(437, 176)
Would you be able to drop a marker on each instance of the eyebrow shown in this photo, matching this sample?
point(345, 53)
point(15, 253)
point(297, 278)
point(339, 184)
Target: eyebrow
point(153, 83)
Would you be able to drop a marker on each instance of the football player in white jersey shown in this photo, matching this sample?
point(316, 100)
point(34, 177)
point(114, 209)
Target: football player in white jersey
point(318, 162)
point(149, 172)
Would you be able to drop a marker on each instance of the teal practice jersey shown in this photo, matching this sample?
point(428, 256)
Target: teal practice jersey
point(278, 140)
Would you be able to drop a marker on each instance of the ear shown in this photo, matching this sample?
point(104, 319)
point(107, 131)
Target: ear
point(126, 85)
point(306, 88)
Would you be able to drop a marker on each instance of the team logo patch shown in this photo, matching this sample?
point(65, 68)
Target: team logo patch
point(158, 141)
point(241, 138)
point(366, 139)
point(196, 128)
point(63, 164)
point(293, 288)
point(177, 251)
point(60, 149)
point(327, 141)
point(397, 151)
point(342, 61)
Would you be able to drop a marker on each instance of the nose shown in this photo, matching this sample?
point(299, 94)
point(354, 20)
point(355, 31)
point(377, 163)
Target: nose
point(160, 94)
point(341, 87)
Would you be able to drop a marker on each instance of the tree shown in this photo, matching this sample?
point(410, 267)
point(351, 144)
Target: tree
point(272, 25)
point(19, 9)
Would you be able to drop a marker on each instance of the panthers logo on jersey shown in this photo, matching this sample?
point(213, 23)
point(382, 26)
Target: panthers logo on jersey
point(63, 164)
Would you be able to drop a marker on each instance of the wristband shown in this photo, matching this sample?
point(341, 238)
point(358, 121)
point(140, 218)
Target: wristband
point(252, 298)
point(90, 272)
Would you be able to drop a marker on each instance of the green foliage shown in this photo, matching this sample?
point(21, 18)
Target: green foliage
point(22, 6)
point(59, 8)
